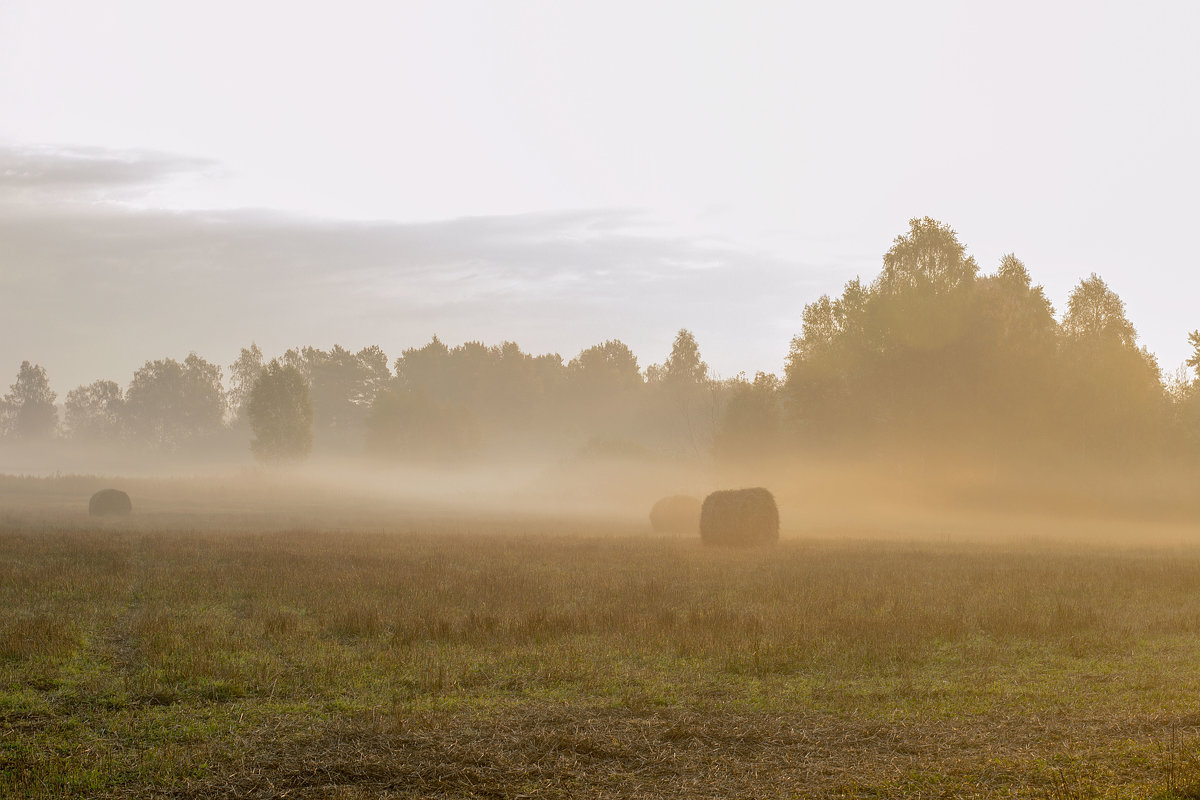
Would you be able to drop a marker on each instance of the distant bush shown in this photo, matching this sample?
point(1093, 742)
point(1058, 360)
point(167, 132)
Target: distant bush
point(109, 502)
point(739, 517)
point(679, 513)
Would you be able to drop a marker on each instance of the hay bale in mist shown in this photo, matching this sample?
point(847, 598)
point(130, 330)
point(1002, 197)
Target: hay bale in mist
point(109, 502)
point(739, 518)
point(679, 513)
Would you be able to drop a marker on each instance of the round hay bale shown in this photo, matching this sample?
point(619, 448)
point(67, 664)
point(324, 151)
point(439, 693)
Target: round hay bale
point(739, 518)
point(109, 502)
point(679, 514)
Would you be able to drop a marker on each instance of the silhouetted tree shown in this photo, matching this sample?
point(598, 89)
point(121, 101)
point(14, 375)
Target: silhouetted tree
point(1114, 402)
point(1013, 364)
point(685, 404)
point(374, 375)
point(169, 404)
point(928, 259)
point(516, 389)
point(606, 388)
point(751, 424)
point(94, 412)
point(342, 386)
point(1095, 314)
point(511, 395)
point(407, 425)
point(425, 367)
point(921, 315)
point(684, 367)
point(605, 368)
point(243, 374)
point(29, 410)
point(1194, 360)
point(1185, 394)
point(280, 414)
point(932, 355)
point(830, 369)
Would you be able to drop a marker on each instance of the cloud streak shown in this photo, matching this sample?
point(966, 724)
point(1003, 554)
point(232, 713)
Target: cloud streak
point(78, 173)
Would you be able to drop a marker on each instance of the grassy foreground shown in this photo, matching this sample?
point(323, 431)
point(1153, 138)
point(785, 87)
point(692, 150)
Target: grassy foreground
point(136, 663)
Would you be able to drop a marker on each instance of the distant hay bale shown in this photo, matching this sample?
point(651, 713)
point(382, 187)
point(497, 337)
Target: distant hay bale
point(740, 518)
point(679, 513)
point(109, 502)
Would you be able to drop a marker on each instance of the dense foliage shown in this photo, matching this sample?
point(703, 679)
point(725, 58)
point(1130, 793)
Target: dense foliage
point(934, 355)
point(280, 414)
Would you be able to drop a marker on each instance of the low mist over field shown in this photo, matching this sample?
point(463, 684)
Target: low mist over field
point(934, 384)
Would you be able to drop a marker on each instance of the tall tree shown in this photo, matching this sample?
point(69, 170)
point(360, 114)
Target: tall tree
point(243, 374)
point(1185, 395)
point(375, 375)
point(1012, 360)
point(605, 386)
point(684, 367)
point(408, 425)
point(1114, 401)
point(892, 360)
point(750, 425)
point(511, 394)
point(29, 405)
point(928, 258)
point(827, 393)
point(169, 404)
point(1194, 360)
point(930, 355)
point(921, 297)
point(686, 404)
point(94, 412)
point(342, 385)
point(1095, 313)
point(605, 369)
point(280, 414)
point(921, 308)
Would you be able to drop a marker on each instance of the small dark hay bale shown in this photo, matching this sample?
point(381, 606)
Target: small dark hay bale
point(679, 513)
point(739, 518)
point(109, 502)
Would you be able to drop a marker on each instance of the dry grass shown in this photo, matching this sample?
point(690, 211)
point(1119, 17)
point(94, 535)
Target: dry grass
point(140, 663)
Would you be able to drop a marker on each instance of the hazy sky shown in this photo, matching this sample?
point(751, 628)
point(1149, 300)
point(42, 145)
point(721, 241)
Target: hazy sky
point(179, 177)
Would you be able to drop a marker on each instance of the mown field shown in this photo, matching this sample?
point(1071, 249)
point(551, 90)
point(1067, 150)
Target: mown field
point(138, 662)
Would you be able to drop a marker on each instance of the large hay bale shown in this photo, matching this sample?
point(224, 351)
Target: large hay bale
point(109, 502)
point(740, 518)
point(679, 513)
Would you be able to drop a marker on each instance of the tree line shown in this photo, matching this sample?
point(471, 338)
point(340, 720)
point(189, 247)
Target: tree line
point(433, 403)
point(932, 356)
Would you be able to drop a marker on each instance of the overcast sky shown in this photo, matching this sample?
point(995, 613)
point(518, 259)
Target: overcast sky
point(178, 177)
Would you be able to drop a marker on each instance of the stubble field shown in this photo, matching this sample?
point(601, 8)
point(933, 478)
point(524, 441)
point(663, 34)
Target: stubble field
point(146, 660)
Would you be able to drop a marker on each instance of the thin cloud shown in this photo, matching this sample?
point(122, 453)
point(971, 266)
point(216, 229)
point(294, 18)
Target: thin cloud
point(95, 289)
point(65, 174)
